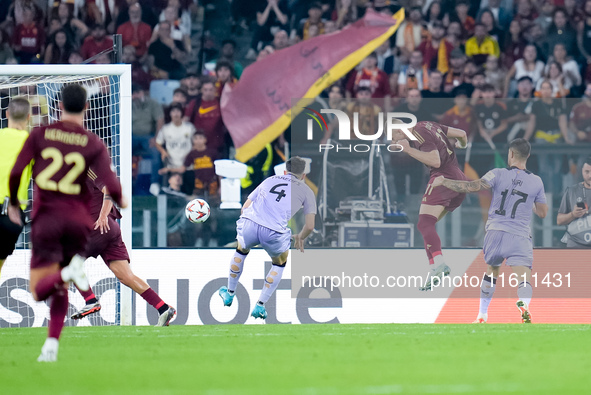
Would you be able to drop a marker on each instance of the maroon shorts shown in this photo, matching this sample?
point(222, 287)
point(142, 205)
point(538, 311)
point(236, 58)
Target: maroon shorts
point(442, 196)
point(57, 238)
point(109, 246)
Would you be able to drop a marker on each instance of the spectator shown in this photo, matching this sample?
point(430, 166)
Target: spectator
point(544, 20)
point(467, 83)
point(59, 49)
point(228, 53)
point(414, 75)
point(178, 32)
point(270, 14)
point(330, 27)
point(368, 112)
point(461, 115)
point(436, 99)
point(549, 118)
point(180, 232)
point(199, 163)
point(528, 65)
point(519, 110)
point(138, 74)
point(580, 117)
point(414, 104)
point(146, 119)
point(135, 32)
point(104, 12)
point(455, 75)
point(487, 18)
point(148, 13)
point(174, 141)
point(29, 39)
point(75, 58)
point(280, 40)
point(556, 78)
point(336, 94)
point(436, 50)
point(179, 95)
point(570, 68)
point(168, 55)
point(386, 60)
point(525, 14)
point(191, 84)
point(514, 45)
point(371, 77)
point(176, 15)
point(478, 82)
point(584, 32)
point(573, 12)
point(75, 29)
point(494, 74)
point(345, 13)
point(562, 32)
point(5, 49)
point(455, 34)
point(204, 113)
point(491, 117)
point(96, 43)
point(434, 13)
point(574, 211)
point(501, 14)
point(314, 21)
point(263, 53)
point(224, 73)
point(481, 45)
point(411, 32)
point(466, 21)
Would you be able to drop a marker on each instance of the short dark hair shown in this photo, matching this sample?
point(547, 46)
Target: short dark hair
point(181, 91)
point(19, 109)
point(295, 165)
point(588, 160)
point(229, 41)
point(175, 106)
point(520, 147)
point(487, 88)
point(200, 132)
point(363, 89)
point(525, 78)
point(226, 64)
point(74, 98)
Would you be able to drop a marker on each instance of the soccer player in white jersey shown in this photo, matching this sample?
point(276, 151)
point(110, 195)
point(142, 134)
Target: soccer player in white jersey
point(264, 219)
point(517, 193)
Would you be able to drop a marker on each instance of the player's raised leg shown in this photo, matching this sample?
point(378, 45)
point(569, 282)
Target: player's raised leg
point(428, 217)
point(92, 304)
point(123, 272)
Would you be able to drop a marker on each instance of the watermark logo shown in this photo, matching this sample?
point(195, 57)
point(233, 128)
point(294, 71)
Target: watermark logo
point(393, 121)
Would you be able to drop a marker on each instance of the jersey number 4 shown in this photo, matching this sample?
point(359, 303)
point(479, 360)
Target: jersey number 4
point(280, 193)
point(501, 210)
point(66, 184)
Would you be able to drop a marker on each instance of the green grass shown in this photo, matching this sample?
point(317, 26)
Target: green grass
point(301, 359)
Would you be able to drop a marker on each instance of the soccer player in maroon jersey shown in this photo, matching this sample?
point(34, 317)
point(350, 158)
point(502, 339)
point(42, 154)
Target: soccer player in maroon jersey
point(434, 149)
point(105, 240)
point(62, 153)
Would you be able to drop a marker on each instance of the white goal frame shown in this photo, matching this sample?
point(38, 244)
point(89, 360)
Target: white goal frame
point(124, 73)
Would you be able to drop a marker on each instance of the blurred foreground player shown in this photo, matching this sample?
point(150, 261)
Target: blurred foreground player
point(12, 139)
point(264, 219)
point(62, 153)
point(105, 240)
point(516, 193)
point(434, 149)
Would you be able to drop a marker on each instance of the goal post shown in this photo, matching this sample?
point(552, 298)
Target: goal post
point(109, 116)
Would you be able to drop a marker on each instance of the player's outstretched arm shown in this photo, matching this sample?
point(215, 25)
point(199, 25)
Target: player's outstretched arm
point(462, 186)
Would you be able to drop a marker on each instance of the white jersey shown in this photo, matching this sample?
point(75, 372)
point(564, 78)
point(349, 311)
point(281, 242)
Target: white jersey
point(277, 199)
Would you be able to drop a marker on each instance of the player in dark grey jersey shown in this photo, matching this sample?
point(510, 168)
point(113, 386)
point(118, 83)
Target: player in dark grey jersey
point(574, 211)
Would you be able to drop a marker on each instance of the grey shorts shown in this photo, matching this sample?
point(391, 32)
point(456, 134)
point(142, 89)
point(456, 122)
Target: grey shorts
point(499, 245)
point(250, 234)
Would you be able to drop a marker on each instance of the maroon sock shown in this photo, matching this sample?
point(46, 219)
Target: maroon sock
point(48, 285)
point(153, 299)
point(426, 226)
point(57, 312)
point(88, 296)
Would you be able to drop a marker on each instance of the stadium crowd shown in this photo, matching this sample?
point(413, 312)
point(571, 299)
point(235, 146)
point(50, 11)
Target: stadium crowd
point(499, 69)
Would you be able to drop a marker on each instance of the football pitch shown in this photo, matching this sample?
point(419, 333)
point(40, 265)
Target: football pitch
point(301, 359)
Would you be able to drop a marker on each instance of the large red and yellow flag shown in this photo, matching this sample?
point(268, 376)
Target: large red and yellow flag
point(259, 107)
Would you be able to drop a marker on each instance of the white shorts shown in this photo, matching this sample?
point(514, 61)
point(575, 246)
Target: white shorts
point(250, 234)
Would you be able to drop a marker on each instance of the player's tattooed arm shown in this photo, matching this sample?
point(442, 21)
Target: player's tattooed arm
point(462, 186)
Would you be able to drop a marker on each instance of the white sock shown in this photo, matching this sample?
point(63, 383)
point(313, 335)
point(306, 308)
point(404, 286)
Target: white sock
point(271, 282)
point(438, 260)
point(524, 292)
point(236, 266)
point(487, 289)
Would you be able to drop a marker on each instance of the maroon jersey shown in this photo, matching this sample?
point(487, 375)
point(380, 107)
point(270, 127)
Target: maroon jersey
point(63, 152)
point(95, 189)
point(432, 136)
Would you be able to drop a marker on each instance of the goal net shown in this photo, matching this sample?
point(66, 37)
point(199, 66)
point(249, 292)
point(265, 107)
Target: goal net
point(108, 116)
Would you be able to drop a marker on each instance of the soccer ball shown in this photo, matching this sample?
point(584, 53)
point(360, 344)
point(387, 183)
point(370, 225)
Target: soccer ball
point(197, 211)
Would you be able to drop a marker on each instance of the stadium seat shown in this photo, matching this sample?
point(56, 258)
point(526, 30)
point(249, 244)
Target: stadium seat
point(162, 90)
